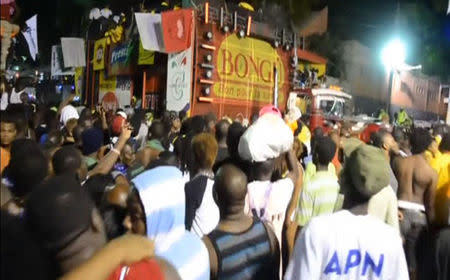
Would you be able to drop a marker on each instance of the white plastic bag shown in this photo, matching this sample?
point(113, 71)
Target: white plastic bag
point(267, 138)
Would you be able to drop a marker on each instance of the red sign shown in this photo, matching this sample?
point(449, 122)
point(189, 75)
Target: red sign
point(110, 102)
point(177, 26)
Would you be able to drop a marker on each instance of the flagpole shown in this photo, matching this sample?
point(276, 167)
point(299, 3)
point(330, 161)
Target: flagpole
point(275, 87)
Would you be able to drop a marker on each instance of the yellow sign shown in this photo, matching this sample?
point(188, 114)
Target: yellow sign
point(145, 57)
point(99, 54)
point(321, 68)
point(78, 80)
point(106, 84)
point(246, 70)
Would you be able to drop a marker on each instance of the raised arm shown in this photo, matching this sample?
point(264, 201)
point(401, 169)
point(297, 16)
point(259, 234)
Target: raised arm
point(107, 163)
point(125, 250)
point(290, 224)
point(103, 117)
point(292, 165)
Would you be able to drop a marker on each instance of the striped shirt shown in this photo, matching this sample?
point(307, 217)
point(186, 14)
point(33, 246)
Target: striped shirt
point(318, 197)
point(246, 255)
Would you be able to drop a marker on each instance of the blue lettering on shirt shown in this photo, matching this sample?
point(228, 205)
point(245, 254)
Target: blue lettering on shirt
point(368, 261)
point(333, 265)
point(354, 260)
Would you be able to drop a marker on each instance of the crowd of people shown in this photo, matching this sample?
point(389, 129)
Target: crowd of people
point(91, 194)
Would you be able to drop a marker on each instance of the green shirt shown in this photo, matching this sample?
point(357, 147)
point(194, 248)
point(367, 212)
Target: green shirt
point(318, 197)
point(90, 162)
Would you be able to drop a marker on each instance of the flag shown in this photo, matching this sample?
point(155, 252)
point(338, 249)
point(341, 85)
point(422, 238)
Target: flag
point(56, 66)
point(99, 54)
point(30, 35)
point(149, 27)
point(177, 29)
point(145, 57)
point(448, 9)
point(57, 63)
point(73, 52)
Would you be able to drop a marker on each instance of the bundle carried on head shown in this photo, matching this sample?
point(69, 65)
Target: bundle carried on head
point(267, 138)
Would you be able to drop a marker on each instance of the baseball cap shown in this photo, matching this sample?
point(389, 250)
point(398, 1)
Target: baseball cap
point(269, 109)
point(117, 124)
point(349, 145)
point(366, 172)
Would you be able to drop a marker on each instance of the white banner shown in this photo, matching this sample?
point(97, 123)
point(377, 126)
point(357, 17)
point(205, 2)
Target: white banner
point(73, 52)
point(179, 84)
point(57, 64)
point(30, 35)
point(150, 31)
point(123, 90)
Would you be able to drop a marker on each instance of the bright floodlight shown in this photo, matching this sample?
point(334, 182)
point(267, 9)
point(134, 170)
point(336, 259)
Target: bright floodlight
point(394, 54)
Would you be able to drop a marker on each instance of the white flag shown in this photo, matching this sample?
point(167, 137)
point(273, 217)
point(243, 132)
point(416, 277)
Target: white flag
point(56, 67)
point(73, 52)
point(448, 9)
point(149, 26)
point(57, 63)
point(30, 35)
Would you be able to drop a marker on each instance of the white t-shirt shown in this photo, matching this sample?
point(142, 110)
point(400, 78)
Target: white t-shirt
point(270, 200)
point(207, 215)
point(347, 246)
point(384, 206)
point(4, 101)
point(15, 96)
point(67, 113)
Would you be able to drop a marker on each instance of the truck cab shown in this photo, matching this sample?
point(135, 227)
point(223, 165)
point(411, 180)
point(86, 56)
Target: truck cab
point(322, 107)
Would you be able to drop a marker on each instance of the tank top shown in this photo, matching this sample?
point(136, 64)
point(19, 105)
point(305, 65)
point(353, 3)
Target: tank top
point(245, 255)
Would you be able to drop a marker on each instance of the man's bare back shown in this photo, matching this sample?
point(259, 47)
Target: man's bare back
point(416, 182)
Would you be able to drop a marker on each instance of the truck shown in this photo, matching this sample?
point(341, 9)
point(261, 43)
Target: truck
point(322, 107)
point(240, 66)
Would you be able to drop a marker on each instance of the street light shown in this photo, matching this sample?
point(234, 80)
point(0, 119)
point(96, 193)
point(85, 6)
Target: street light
point(393, 56)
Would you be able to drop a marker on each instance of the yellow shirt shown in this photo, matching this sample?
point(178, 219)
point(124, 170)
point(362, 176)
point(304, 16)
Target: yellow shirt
point(434, 161)
point(305, 135)
point(293, 126)
point(442, 166)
